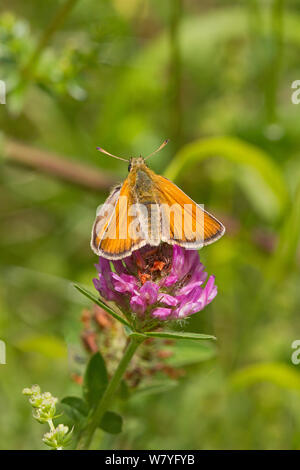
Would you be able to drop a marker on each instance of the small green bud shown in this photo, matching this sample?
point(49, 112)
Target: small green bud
point(36, 389)
point(58, 438)
point(44, 411)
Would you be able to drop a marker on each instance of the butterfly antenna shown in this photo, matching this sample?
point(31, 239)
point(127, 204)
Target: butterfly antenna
point(111, 155)
point(157, 150)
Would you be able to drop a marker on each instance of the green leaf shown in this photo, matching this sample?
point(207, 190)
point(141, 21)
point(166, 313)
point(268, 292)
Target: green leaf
point(251, 159)
point(75, 408)
point(101, 304)
point(95, 380)
point(159, 387)
point(139, 336)
point(133, 334)
point(280, 374)
point(111, 422)
point(186, 353)
point(128, 330)
point(179, 335)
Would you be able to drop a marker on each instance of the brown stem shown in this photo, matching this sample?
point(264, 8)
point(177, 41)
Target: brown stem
point(59, 167)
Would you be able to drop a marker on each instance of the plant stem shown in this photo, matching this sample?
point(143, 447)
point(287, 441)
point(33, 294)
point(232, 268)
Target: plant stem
point(275, 59)
point(87, 434)
point(51, 425)
point(57, 166)
point(175, 75)
point(53, 26)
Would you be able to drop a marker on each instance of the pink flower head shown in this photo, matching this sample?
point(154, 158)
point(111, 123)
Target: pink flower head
point(162, 283)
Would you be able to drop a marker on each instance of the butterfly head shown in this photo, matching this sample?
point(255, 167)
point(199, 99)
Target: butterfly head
point(135, 162)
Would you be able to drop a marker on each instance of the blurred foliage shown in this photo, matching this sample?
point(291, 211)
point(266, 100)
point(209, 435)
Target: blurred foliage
point(126, 75)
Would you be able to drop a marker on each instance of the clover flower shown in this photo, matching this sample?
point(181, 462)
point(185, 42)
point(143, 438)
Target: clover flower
point(156, 283)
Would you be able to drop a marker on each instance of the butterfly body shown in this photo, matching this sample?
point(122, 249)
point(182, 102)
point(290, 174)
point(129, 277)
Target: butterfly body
point(140, 179)
point(148, 209)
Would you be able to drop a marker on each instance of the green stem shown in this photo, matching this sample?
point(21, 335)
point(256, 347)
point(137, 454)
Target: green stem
point(276, 48)
point(87, 434)
point(51, 425)
point(53, 26)
point(175, 75)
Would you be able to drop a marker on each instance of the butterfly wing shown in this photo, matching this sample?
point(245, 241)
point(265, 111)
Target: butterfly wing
point(168, 215)
point(116, 233)
point(103, 215)
point(189, 225)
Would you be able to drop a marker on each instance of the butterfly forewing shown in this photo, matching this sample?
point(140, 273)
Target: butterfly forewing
point(122, 232)
point(189, 224)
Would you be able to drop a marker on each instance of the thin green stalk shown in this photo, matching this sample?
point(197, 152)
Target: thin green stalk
point(175, 74)
point(52, 27)
point(276, 49)
point(87, 434)
point(255, 32)
point(267, 50)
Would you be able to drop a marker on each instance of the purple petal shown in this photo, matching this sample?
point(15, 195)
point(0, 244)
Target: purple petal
point(125, 283)
point(138, 305)
point(191, 303)
point(177, 266)
point(197, 299)
point(196, 280)
point(103, 266)
point(104, 270)
point(130, 264)
point(103, 289)
point(186, 309)
point(191, 260)
point(149, 292)
point(168, 299)
point(119, 267)
point(170, 280)
point(211, 289)
point(162, 313)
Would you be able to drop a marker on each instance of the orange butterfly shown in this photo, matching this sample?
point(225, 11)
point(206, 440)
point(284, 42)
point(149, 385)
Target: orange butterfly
point(148, 209)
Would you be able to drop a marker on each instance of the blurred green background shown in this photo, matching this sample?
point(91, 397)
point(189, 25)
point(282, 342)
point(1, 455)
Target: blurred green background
point(215, 77)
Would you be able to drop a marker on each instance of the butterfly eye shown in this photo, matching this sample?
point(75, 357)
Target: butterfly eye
point(129, 167)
